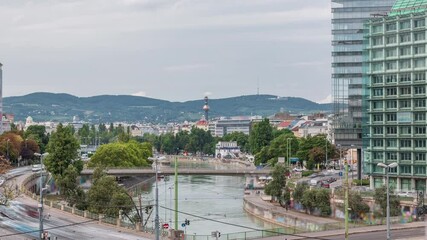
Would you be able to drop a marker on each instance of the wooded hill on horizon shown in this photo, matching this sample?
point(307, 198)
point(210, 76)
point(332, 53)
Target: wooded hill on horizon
point(42, 106)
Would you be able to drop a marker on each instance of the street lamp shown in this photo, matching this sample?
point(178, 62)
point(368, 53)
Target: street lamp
point(156, 220)
point(41, 193)
point(7, 148)
point(289, 150)
point(387, 168)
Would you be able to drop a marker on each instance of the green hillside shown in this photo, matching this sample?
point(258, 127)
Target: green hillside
point(108, 108)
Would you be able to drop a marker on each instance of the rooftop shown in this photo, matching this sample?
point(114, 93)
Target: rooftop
point(402, 7)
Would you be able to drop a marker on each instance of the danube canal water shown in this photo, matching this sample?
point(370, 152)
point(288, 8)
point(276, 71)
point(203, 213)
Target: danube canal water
point(206, 198)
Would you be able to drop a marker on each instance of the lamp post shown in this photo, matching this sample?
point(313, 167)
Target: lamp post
point(346, 200)
point(387, 168)
point(41, 194)
point(326, 152)
point(289, 150)
point(156, 220)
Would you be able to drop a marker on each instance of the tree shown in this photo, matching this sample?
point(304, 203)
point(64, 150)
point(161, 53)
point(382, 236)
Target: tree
point(38, 134)
point(276, 187)
point(299, 191)
point(70, 189)
point(380, 197)
point(260, 136)
point(107, 197)
point(317, 199)
point(131, 154)
point(4, 165)
point(201, 141)
point(10, 146)
point(9, 192)
point(28, 148)
point(63, 150)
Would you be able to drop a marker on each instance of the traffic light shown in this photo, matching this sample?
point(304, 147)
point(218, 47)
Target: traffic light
point(187, 222)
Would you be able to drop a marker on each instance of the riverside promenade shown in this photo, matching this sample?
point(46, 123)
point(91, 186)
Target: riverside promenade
point(304, 226)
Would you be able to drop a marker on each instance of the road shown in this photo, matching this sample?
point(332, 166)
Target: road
point(397, 234)
point(20, 221)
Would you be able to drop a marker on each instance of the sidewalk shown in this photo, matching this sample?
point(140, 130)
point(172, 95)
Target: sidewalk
point(256, 200)
point(368, 229)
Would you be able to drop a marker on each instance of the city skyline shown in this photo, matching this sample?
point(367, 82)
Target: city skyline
point(154, 48)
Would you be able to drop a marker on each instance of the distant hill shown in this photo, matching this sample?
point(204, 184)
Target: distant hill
point(109, 108)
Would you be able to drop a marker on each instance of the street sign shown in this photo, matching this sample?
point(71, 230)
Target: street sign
point(281, 160)
point(183, 225)
point(340, 174)
point(165, 225)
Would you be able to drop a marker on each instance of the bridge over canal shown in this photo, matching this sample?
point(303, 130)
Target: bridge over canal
point(181, 171)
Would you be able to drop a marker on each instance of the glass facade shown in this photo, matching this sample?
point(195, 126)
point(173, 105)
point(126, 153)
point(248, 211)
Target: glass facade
point(348, 17)
point(1, 99)
point(395, 85)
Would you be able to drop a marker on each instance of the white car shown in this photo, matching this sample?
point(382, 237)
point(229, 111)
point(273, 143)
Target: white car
point(37, 168)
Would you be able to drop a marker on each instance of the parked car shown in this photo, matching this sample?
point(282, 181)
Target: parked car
point(331, 180)
point(325, 184)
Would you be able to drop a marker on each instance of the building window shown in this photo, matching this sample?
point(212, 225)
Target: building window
point(419, 103)
point(392, 78)
point(405, 77)
point(420, 157)
point(419, 36)
point(420, 90)
point(405, 130)
point(377, 53)
point(392, 143)
point(392, 170)
point(378, 143)
point(391, 39)
point(391, 91)
point(405, 103)
point(391, 130)
point(403, 38)
point(405, 169)
point(420, 130)
point(419, 62)
point(379, 40)
point(377, 67)
point(419, 49)
point(405, 24)
point(391, 117)
point(377, 105)
point(404, 64)
point(405, 184)
point(405, 51)
point(419, 76)
point(420, 116)
point(405, 90)
point(391, 52)
point(405, 156)
point(420, 143)
point(377, 28)
point(420, 170)
point(405, 143)
point(377, 130)
point(377, 79)
point(390, 27)
point(377, 117)
point(391, 156)
point(377, 92)
point(391, 104)
point(378, 156)
point(391, 65)
point(419, 22)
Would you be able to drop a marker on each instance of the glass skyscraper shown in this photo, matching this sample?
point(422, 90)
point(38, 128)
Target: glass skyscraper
point(348, 17)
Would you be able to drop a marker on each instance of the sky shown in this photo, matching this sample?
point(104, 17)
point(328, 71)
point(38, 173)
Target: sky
point(176, 50)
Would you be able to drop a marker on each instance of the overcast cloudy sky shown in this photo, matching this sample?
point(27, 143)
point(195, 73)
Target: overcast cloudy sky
point(175, 50)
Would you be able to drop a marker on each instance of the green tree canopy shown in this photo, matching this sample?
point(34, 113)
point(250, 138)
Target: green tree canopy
point(63, 150)
point(380, 197)
point(107, 197)
point(260, 136)
point(38, 134)
point(119, 154)
point(277, 186)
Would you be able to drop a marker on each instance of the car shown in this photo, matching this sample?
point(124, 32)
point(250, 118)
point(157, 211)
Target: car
point(331, 180)
point(36, 167)
point(297, 169)
point(324, 184)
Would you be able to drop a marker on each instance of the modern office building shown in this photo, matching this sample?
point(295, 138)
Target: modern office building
point(348, 17)
point(395, 84)
point(1, 99)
